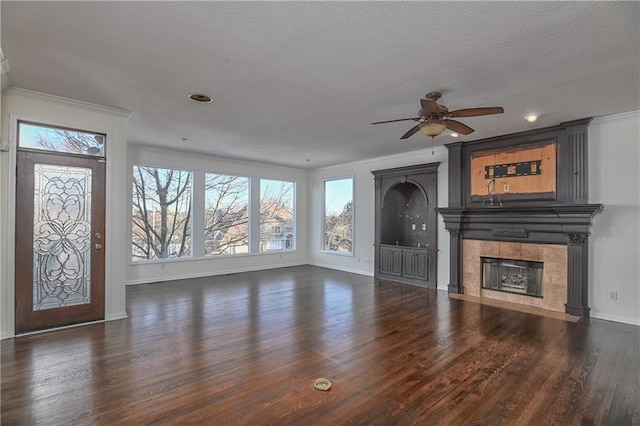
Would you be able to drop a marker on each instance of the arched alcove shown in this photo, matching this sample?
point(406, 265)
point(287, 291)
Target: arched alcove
point(404, 216)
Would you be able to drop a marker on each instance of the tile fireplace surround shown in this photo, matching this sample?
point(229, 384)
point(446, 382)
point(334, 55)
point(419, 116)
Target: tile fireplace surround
point(554, 275)
point(549, 225)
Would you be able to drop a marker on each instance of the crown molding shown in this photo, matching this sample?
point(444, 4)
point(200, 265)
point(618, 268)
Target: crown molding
point(116, 112)
point(621, 116)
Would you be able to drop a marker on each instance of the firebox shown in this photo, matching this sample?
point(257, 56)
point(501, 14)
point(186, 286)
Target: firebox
point(512, 276)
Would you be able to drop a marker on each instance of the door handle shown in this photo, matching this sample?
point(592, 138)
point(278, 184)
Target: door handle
point(98, 246)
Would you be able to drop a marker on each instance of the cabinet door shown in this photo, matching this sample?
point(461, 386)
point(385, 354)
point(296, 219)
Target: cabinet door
point(422, 265)
point(385, 260)
point(390, 261)
point(396, 262)
point(408, 263)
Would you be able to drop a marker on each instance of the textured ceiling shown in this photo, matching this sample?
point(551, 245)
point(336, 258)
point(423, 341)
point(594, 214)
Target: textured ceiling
point(298, 81)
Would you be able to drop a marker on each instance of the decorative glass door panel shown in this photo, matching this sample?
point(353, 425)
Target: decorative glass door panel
point(61, 236)
point(60, 212)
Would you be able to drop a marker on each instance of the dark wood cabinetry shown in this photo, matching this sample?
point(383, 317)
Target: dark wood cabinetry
point(406, 224)
point(390, 260)
point(536, 193)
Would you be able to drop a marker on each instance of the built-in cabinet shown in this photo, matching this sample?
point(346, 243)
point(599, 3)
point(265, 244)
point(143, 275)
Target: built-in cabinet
point(406, 224)
point(405, 262)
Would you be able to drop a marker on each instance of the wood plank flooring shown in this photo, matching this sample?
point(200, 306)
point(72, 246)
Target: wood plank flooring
point(246, 348)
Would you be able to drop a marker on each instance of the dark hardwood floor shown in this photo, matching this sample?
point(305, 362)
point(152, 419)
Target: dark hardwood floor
point(246, 348)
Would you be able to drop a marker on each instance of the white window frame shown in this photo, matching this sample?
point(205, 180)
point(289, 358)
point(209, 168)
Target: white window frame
point(191, 255)
point(249, 213)
point(294, 232)
point(323, 216)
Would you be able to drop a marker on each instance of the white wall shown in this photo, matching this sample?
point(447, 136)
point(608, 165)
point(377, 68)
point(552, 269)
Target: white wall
point(362, 260)
point(153, 271)
point(614, 244)
point(27, 105)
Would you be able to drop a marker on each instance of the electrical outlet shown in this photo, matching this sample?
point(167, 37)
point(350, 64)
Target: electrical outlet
point(506, 187)
point(613, 295)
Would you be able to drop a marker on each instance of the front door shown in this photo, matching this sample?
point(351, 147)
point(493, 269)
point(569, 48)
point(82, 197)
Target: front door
point(60, 215)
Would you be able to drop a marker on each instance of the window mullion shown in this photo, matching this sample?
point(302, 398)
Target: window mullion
point(197, 218)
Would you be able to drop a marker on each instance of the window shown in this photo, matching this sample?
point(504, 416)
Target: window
point(338, 215)
point(226, 214)
point(277, 215)
point(161, 213)
point(60, 139)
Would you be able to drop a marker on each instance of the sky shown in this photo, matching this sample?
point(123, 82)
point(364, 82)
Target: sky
point(337, 194)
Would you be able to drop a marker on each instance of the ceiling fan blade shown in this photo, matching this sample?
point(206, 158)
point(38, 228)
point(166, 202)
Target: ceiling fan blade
point(475, 112)
point(458, 127)
point(393, 121)
point(429, 106)
point(411, 132)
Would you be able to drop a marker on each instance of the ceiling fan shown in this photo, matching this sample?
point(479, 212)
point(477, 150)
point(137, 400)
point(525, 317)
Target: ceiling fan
point(433, 117)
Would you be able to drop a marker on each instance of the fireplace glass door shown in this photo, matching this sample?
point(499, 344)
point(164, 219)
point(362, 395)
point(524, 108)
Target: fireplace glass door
point(512, 276)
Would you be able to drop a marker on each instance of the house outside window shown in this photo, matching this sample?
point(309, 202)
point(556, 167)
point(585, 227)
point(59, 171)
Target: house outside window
point(226, 214)
point(277, 215)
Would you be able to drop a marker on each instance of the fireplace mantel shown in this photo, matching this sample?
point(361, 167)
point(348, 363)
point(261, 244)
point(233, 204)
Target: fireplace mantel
point(546, 225)
point(563, 216)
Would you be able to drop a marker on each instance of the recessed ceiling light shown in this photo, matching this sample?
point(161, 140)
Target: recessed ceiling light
point(454, 134)
point(531, 118)
point(200, 98)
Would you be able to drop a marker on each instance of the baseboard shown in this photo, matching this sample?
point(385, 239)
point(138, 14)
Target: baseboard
point(6, 335)
point(338, 268)
point(212, 273)
point(614, 318)
point(118, 316)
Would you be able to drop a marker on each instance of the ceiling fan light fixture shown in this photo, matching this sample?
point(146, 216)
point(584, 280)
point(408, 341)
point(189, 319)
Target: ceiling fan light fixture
point(433, 128)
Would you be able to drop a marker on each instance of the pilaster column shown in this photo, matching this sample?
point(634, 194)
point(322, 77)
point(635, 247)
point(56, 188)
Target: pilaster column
point(577, 274)
point(455, 262)
point(453, 223)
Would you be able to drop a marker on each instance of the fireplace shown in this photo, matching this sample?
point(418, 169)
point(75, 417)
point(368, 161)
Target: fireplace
point(532, 247)
point(512, 276)
point(551, 278)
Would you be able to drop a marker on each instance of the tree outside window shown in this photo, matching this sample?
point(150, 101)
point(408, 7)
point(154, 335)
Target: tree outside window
point(226, 214)
point(338, 215)
point(277, 215)
point(161, 213)
point(59, 139)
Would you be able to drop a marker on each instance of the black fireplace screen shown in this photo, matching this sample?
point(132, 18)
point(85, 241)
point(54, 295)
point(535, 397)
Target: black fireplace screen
point(512, 276)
